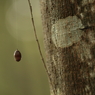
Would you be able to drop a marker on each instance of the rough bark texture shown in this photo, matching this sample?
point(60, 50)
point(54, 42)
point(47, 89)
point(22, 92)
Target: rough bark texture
point(69, 31)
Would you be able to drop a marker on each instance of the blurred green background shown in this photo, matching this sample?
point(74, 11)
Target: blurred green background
point(27, 77)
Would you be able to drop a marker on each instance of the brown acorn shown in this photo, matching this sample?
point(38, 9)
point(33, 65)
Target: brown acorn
point(17, 55)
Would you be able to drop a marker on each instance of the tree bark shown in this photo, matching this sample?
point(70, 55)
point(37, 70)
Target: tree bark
point(69, 38)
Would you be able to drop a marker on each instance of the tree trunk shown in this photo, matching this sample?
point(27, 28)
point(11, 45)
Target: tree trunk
point(69, 37)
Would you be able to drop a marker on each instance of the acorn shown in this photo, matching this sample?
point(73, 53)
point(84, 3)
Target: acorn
point(17, 55)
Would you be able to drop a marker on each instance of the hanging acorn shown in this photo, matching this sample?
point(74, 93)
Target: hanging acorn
point(17, 55)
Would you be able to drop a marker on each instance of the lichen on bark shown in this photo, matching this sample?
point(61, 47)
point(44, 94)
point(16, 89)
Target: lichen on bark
point(66, 32)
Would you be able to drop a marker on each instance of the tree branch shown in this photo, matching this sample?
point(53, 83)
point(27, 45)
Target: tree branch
point(32, 19)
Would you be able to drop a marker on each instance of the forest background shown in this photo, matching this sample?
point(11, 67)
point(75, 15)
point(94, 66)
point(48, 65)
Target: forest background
point(27, 77)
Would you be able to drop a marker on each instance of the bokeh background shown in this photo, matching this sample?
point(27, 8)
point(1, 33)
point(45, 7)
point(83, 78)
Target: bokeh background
point(27, 77)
